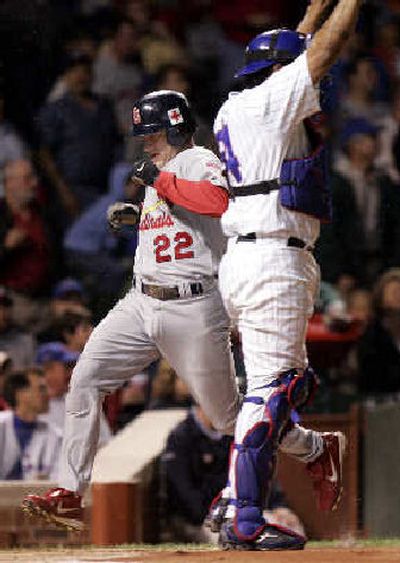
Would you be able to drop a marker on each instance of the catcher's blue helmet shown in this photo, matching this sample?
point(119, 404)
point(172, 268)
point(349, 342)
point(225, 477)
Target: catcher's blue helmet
point(272, 47)
point(164, 109)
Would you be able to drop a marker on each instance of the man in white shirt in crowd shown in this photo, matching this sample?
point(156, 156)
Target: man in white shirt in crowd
point(29, 447)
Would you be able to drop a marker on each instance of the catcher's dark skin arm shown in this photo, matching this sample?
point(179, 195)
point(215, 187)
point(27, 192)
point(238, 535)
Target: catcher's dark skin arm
point(316, 13)
point(329, 40)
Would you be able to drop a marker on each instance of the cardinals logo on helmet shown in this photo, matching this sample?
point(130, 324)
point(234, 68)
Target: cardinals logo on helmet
point(136, 117)
point(175, 116)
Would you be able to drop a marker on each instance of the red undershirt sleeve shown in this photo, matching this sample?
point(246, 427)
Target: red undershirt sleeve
point(201, 197)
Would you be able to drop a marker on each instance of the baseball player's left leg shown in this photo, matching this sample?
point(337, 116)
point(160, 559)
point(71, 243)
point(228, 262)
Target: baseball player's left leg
point(272, 301)
point(303, 444)
point(263, 416)
point(118, 348)
point(195, 341)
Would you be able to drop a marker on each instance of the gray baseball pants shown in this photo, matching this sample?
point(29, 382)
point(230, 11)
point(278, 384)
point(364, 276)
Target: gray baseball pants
point(191, 333)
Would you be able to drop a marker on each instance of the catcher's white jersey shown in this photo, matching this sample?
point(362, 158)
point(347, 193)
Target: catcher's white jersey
point(174, 243)
point(256, 130)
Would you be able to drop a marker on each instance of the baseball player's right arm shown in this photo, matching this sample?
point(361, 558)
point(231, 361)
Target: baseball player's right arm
point(205, 196)
point(316, 14)
point(330, 39)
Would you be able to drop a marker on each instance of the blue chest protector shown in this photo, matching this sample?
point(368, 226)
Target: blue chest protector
point(304, 183)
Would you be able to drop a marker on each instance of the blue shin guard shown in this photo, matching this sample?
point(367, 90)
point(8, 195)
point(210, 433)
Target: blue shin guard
point(256, 455)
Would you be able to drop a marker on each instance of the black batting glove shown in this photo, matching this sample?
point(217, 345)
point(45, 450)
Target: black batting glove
point(145, 171)
point(120, 213)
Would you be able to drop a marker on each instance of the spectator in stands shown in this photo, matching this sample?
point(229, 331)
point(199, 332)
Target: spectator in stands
point(195, 463)
point(57, 363)
point(359, 101)
point(5, 370)
point(68, 295)
point(168, 390)
point(25, 247)
point(78, 138)
point(158, 43)
point(364, 236)
point(216, 55)
point(173, 76)
point(75, 329)
point(12, 147)
point(133, 399)
point(387, 48)
point(139, 12)
point(389, 140)
point(18, 345)
point(93, 251)
point(80, 44)
point(29, 447)
point(359, 307)
point(118, 72)
point(159, 47)
point(379, 347)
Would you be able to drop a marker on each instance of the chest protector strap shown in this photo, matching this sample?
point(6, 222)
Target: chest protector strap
point(303, 183)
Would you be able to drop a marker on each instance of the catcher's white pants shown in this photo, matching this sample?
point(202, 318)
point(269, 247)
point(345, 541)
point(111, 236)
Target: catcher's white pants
point(192, 334)
point(269, 289)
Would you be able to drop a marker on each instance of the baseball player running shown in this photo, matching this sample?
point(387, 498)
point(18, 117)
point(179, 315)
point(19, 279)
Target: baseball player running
point(174, 308)
point(268, 277)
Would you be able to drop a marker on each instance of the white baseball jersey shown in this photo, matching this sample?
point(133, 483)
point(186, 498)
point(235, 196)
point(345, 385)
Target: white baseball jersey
point(174, 243)
point(41, 456)
point(268, 287)
point(256, 130)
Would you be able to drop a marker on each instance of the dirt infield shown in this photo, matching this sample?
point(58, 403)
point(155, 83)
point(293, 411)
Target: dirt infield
point(120, 555)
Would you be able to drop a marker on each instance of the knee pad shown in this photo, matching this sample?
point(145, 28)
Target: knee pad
point(301, 388)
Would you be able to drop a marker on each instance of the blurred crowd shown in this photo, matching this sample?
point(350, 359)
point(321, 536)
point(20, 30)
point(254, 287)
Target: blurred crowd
point(69, 73)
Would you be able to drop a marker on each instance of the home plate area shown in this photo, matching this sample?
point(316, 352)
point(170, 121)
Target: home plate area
point(115, 555)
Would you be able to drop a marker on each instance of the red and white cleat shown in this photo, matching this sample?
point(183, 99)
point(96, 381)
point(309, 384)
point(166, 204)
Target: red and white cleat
point(326, 471)
point(59, 506)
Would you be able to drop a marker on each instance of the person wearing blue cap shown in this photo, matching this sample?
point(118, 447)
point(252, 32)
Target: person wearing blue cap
point(18, 344)
point(68, 296)
point(57, 363)
point(56, 352)
point(364, 236)
point(69, 288)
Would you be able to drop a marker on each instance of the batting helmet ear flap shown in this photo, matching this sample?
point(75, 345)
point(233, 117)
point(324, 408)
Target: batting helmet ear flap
point(179, 135)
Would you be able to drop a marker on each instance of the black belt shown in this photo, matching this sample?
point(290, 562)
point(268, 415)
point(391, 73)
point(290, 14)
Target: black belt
point(291, 241)
point(164, 293)
point(264, 187)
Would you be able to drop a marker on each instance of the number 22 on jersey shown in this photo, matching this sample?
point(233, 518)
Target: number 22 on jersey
point(227, 155)
point(180, 243)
